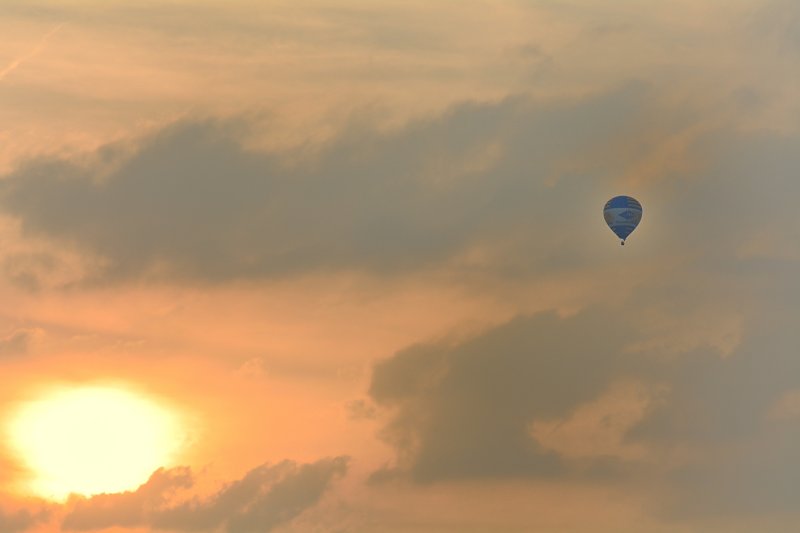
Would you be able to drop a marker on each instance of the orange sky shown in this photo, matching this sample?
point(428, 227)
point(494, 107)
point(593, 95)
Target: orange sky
point(358, 247)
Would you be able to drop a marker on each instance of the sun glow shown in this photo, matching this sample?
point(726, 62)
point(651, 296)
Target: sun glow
point(92, 440)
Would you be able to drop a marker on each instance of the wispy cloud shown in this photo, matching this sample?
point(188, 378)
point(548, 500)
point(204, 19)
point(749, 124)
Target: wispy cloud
point(16, 63)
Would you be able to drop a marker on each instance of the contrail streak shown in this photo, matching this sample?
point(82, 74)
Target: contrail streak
point(11, 67)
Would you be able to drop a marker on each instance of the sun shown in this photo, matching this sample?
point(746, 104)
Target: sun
point(92, 440)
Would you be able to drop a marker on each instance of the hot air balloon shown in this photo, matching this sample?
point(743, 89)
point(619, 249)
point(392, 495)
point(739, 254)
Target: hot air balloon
point(622, 214)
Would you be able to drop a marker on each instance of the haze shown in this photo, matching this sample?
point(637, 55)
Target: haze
point(359, 246)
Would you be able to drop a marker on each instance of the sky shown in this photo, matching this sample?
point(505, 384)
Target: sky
point(354, 251)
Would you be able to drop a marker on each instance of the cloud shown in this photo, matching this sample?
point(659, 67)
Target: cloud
point(716, 437)
point(15, 64)
point(19, 521)
point(18, 341)
point(709, 335)
point(360, 410)
point(516, 183)
point(777, 22)
point(267, 496)
point(722, 409)
point(464, 411)
point(127, 509)
point(193, 203)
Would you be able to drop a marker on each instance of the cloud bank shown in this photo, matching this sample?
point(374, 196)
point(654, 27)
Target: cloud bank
point(192, 203)
point(719, 431)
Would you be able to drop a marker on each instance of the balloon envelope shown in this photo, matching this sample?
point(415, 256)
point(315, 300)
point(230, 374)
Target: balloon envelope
point(622, 214)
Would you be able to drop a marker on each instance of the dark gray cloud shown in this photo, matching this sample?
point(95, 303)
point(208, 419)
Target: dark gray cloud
point(266, 497)
point(521, 180)
point(192, 203)
point(714, 400)
point(464, 410)
point(728, 411)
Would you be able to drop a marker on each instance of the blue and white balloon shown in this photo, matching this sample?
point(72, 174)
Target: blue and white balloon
point(622, 214)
